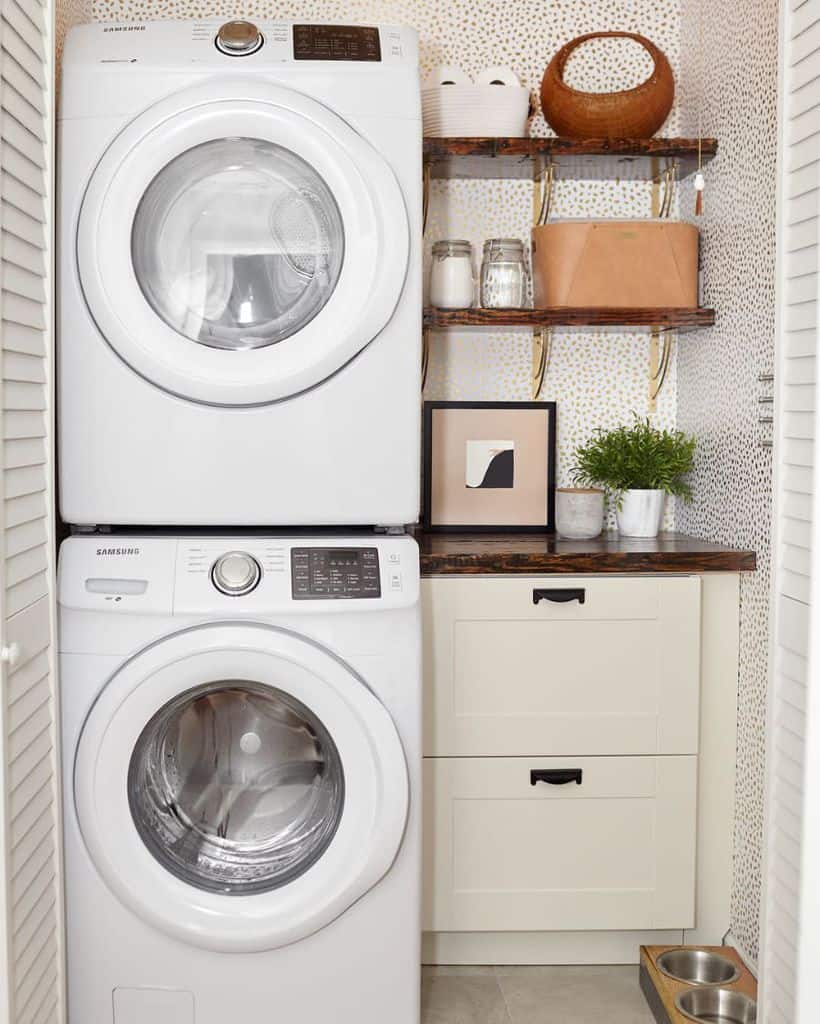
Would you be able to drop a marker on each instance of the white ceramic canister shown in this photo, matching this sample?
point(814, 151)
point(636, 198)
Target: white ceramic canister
point(452, 282)
point(579, 512)
point(640, 513)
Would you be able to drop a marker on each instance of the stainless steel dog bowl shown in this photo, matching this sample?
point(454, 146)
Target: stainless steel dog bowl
point(713, 1005)
point(697, 967)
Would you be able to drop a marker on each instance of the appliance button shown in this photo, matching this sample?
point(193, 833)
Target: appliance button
point(238, 38)
point(395, 580)
point(236, 573)
point(394, 558)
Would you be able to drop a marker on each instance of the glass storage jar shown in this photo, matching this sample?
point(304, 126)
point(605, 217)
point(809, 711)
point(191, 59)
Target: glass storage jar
point(452, 283)
point(503, 274)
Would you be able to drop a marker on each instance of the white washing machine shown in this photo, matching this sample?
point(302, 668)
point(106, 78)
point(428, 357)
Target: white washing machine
point(241, 727)
point(240, 274)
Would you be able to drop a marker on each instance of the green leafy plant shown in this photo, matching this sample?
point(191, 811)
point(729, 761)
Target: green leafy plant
point(636, 457)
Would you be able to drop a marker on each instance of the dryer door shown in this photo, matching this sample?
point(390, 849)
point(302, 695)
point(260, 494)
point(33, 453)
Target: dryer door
point(239, 787)
point(238, 245)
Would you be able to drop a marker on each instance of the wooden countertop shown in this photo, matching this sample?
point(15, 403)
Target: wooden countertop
point(533, 553)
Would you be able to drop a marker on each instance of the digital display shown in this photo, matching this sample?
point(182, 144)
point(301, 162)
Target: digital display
point(343, 558)
point(336, 42)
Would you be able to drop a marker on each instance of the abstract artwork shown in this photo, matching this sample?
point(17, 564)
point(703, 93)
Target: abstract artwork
point(489, 465)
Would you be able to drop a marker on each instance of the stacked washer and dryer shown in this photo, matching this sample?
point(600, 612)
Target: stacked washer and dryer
point(239, 373)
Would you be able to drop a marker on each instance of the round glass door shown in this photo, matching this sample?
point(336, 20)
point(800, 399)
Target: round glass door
point(235, 759)
point(236, 787)
point(237, 243)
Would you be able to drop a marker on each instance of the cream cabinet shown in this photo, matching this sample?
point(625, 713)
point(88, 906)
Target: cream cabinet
point(512, 668)
point(504, 852)
point(561, 753)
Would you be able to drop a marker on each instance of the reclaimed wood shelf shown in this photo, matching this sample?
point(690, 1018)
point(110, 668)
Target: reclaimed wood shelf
point(511, 554)
point(569, 317)
point(603, 159)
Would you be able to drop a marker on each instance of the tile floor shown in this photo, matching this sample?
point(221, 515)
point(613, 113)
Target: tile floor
point(532, 995)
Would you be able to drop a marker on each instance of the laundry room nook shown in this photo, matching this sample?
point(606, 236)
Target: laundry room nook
point(409, 512)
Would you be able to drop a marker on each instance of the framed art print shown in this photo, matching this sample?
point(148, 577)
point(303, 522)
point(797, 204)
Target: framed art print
point(489, 465)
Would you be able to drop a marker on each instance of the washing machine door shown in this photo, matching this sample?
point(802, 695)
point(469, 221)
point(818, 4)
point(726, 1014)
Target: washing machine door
point(239, 787)
point(238, 243)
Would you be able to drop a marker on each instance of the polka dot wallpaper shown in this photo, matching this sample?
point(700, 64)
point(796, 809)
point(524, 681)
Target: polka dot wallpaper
point(732, 87)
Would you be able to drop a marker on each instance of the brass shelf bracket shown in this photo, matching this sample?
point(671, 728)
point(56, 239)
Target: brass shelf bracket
point(544, 193)
point(541, 353)
point(425, 195)
point(425, 355)
point(659, 362)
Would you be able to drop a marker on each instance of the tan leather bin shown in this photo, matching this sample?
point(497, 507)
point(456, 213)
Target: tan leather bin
point(637, 263)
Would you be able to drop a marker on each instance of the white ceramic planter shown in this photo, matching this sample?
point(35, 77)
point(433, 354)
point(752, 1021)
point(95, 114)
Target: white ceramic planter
point(640, 513)
point(579, 512)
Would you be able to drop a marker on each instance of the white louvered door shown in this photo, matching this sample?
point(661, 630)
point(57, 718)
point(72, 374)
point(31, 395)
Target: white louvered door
point(31, 918)
point(790, 947)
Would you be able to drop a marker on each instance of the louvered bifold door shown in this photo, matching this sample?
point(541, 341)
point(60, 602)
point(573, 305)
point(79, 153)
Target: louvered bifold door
point(793, 808)
point(32, 912)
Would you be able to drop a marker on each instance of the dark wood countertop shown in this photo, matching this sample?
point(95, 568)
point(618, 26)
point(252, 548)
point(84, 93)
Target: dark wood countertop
point(511, 553)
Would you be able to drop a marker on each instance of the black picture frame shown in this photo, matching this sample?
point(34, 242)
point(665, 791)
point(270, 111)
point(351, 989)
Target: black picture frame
point(549, 409)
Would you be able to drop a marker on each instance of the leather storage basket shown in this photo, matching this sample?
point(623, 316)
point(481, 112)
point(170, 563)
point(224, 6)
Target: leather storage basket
point(621, 263)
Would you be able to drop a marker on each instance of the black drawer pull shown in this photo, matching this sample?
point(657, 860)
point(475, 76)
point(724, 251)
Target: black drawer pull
point(556, 776)
point(560, 596)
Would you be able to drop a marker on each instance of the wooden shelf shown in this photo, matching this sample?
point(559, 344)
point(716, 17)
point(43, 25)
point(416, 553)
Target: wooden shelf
point(603, 159)
point(571, 317)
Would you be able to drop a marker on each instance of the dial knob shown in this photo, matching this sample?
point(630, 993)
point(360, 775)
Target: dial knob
point(236, 573)
point(238, 38)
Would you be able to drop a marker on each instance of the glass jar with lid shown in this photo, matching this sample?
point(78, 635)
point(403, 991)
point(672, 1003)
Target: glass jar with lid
point(503, 274)
point(452, 282)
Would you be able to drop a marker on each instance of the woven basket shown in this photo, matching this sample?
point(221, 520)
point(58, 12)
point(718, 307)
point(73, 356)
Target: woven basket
point(631, 114)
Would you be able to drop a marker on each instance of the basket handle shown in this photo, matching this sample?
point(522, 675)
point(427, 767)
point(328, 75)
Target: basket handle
point(566, 51)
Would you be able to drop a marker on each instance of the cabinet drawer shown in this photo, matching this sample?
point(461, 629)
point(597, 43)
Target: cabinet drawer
point(615, 852)
point(616, 674)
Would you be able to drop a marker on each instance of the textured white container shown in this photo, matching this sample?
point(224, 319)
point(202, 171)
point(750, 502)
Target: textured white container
point(640, 513)
point(475, 111)
point(579, 512)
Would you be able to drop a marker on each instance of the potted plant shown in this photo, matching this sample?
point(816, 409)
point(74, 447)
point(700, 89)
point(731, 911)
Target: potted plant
point(637, 465)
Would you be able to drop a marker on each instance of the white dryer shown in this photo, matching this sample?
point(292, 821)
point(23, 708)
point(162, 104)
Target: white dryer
point(240, 274)
point(242, 761)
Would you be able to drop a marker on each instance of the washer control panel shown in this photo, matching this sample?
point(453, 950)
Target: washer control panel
point(321, 574)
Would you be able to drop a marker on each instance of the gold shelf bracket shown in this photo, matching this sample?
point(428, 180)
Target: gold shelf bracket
point(660, 357)
point(541, 353)
point(425, 355)
point(425, 195)
point(544, 192)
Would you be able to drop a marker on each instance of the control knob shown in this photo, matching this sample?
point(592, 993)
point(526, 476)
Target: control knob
point(236, 573)
point(238, 38)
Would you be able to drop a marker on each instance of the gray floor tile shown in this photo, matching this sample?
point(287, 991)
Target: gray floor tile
point(573, 995)
point(462, 998)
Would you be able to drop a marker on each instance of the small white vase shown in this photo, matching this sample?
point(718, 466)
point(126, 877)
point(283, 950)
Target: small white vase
point(579, 512)
point(640, 513)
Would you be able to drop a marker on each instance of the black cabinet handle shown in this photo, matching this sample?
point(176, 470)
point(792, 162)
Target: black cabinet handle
point(556, 776)
point(560, 595)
